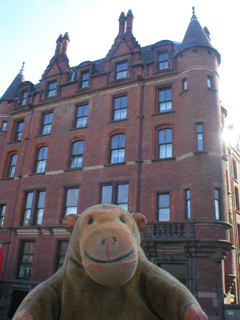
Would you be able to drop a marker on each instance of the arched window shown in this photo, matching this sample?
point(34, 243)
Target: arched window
point(76, 154)
point(165, 143)
point(117, 148)
point(12, 165)
point(41, 159)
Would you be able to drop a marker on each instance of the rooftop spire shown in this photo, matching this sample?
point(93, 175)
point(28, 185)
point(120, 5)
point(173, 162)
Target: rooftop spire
point(193, 14)
point(12, 91)
point(21, 71)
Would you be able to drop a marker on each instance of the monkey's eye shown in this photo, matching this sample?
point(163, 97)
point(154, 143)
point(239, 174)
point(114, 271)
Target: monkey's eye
point(123, 221)
point(90, 220)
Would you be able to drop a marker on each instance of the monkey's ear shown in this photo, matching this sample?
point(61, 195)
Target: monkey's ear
point(140, 220)
point(69, 221)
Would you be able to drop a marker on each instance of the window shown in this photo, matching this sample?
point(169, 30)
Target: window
point(81, 116)
point(199, 131)
point(12, 166)
point(163, 60)
point(236, 198)
point(164, 207)
point(46, 123)
point(121, 70)
point(34, 208)
point(209, 82)
point(41, 159)
point(120, 108)
point(165, 100)
point(4, 126)
point(51, 89)
point(2, 213)
point(184, 84)
point(165, 143)
point(61, 253)
point(117, 148)
point(178, 270)
point(76, 154)
point(115, 194)
point(26, 260)
point(234, 163)
point(217, 203)
point(84, 79)
point(19, 129)
point(187, 204)
point(71, 200)
point(24, 98)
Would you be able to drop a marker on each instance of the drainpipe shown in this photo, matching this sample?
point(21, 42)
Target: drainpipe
point(139, 160)
point(15, 205)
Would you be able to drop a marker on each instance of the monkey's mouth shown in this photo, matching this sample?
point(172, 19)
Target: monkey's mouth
point(109, 261)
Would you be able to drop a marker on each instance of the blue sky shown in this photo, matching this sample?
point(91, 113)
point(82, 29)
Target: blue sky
point(29, 30)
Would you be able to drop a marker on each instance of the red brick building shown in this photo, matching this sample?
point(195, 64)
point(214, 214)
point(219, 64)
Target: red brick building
point(140, 128)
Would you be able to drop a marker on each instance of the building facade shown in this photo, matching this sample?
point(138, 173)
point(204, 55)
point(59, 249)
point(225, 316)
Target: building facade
point(140, 128)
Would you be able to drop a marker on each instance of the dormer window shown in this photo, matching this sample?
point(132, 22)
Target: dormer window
point(23, 98)
point(51, 89)
point(163, 60)
point(84, 79)
point(121, 70)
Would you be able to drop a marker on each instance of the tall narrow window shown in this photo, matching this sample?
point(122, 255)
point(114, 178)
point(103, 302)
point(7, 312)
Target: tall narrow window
point(234, 163)
point(24, 98)
point(163, 60)
point(199, 132)
point(19, 129)
point(217, 203)
point(187, 204)
point(12, 166)
point(4, 126)
point(40, 207)
point(81, 116)
point(184, 84)
point(71, 200)
point(84, 79)
point(164, 207)
point(120, 108)
point(76, 154)
point(236, 198)
point(117, 148)
point(51, 89)
point(165, 100)
point(165, 143)
point(121, 70)
point(115, 193)
point(41, 159)
point(33, 208)
point(27, 209)
point(209, 82)
point(26, 260)
point(47, 123)
point(61, 253)
point(2, 214)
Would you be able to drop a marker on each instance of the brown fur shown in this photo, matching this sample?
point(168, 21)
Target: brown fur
point(106, 276)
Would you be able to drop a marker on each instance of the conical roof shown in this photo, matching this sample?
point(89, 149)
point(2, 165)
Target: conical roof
point(12, 91)
point(196, 37)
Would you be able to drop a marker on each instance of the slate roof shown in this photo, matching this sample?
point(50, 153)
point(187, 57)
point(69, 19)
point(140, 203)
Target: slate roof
point(12, 91)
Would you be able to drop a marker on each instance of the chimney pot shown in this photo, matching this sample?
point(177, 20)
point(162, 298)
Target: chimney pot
point(65, 41)
point(59, 45)
point(129, 21)
point(121, 24)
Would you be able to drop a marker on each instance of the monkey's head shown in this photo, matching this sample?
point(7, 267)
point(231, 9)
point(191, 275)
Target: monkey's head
point(107, 239)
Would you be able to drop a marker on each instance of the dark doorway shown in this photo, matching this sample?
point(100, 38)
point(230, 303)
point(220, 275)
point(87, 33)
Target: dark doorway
point(178, 270)
point(17, 298)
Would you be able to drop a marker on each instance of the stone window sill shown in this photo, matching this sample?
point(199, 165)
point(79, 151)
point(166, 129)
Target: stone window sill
point(164, 159)
point(114, 164)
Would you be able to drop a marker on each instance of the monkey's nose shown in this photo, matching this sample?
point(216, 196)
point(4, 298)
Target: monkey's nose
point(109, 240)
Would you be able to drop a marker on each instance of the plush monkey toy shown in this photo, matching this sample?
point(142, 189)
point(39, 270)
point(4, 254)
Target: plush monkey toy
point(106, 276)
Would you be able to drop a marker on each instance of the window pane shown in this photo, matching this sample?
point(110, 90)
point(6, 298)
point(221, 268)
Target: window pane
point(77, 148)
point(121, 141)
point(122, 195)
point(168, 150)
point(106, 194)
point(29, 200)
point(162, 151)
point(72, 197)
point(114, 142)
point(39, 216)
point(168, 135)
point(114, 156)
point(199, 128)
point(163, 200)
point(121, 154)
point(41, 199)
point(70, 210)
point(217, 209)
point(199, 141)
point(164, 214)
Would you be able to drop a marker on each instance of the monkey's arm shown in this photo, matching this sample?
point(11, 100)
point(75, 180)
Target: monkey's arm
point(169, 298)
point(41, 303)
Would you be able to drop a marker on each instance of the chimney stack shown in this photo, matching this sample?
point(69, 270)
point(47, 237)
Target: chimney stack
point(121, 24)
point(59, 45)
point(129, 19)
point(65, 41)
